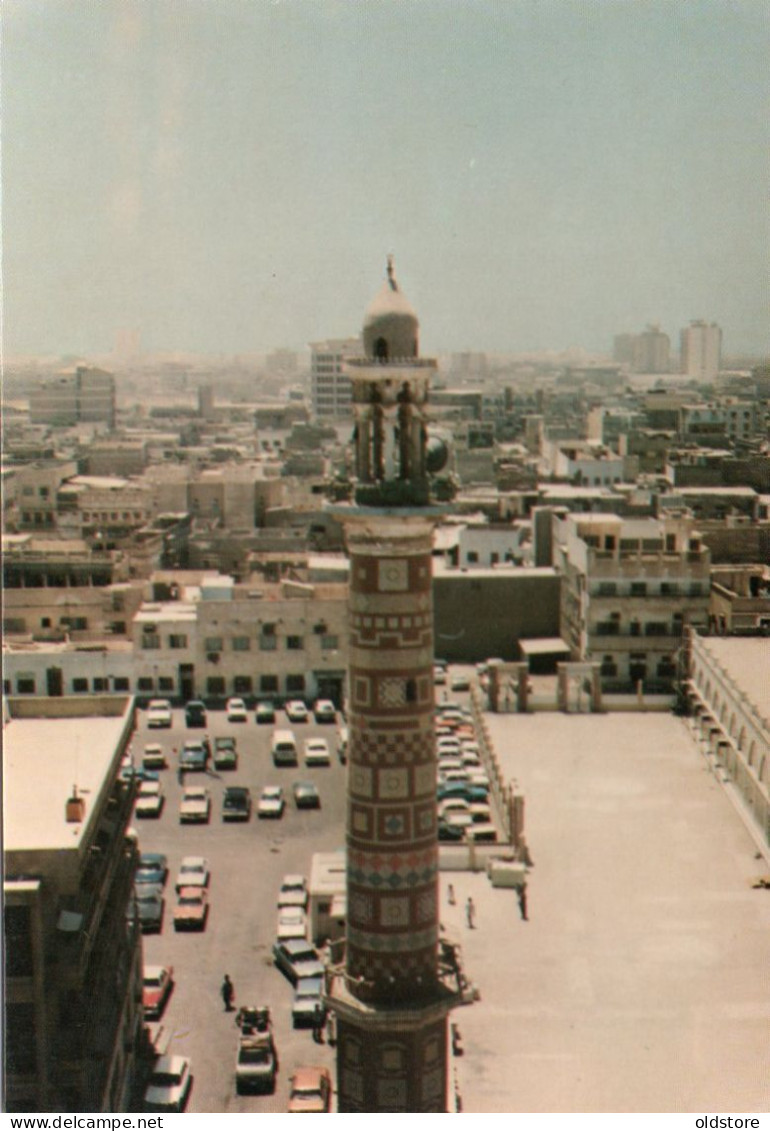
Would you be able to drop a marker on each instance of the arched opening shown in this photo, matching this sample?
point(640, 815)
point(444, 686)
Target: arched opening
point(381, 349)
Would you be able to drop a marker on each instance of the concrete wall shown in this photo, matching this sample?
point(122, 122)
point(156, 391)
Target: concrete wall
point(476, 617)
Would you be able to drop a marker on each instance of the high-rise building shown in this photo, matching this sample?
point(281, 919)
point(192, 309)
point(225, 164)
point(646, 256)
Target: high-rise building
point(701, 350)
point(390, 998)
point(648, 352)
point(81, 395)
point(329, 380)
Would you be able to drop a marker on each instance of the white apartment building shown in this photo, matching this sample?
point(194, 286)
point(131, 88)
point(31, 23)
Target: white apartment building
point(701, 350)
point(329, 384)
point(630, 586)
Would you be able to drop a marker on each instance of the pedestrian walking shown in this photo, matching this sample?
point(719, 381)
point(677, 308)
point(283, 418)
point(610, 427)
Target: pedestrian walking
point(228, 993)
point(522, 894)
point(470, 913)
point(450, 894)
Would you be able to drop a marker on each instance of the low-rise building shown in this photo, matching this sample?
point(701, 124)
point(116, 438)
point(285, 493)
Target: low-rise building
point(73, 1028)
point(630, 587)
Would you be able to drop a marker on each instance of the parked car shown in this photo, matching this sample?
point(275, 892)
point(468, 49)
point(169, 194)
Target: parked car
point(169, 1084)
point(449, 832)
point(193, 873)
point(148, 906)
point(310, 1091)
point(159, 713)
point(236, 711)
point(195, 806)
point(152, 869)
point(306, 796)
point(297, 958)
point(255, 1064)
point(271, 801)
point(265, 712)
point(460, 683)
point(192, 909)
point(149, 801)
point(225, 753)
point(153, 757)
point(292, 924)
point(324, 711)
point(296, 711)
point(236, 803)
point(195, 755)
point(317, 752)
point(195, 713)
point(256, 1060)
point(157, 983)
point(307, 1001)
point(293, 891)
point(284, 748)
point(439, 676)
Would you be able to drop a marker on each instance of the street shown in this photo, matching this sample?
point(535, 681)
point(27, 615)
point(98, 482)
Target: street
point(247, 860)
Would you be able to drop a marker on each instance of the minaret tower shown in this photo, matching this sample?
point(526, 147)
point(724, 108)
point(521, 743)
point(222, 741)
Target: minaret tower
point(389, 997)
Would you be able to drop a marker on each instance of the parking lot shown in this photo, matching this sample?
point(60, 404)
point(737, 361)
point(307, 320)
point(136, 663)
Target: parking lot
point(247, 862)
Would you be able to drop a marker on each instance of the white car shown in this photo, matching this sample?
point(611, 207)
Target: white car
point(317, 752)
point(159, 713)
point(460, 683)
point(149, 802)
point(324, 711)
point(153, 757)
point(195, 806)
point(169, 1084)
point(292, 924)
point(296, 711)
point(236, 711)
point(193, 873)
point(293, 891)
point(271, 801)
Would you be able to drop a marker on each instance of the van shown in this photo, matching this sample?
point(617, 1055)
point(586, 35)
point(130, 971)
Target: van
point(284, 748)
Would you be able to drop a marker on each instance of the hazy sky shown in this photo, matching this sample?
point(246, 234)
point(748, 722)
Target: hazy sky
point(229, 175)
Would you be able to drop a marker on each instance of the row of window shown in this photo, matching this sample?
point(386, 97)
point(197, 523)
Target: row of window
point(645, 589)
point(214, 644)
point(106, 516)
point(215, 685)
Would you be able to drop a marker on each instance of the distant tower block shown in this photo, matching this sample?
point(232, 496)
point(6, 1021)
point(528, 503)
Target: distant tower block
point(206, 402)
point(390, 1001)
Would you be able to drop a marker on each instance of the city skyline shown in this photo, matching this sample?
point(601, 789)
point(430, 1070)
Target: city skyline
point(547, 175)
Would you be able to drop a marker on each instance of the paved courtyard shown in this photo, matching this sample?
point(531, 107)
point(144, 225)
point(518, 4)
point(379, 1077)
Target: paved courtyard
point(641, 981)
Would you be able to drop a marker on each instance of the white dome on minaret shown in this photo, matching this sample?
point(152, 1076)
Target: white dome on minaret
point(391, 327)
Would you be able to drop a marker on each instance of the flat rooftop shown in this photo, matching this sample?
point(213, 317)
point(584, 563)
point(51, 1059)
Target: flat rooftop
point(640, 982)
point(747, 660)
point(42, 760)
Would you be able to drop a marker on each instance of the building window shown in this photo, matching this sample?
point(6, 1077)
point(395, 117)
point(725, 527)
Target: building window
point(267, 643)
point(294, 643)
point(145, 683)
point(212, 644)
point(295, 683)
point(121, 683)
point(80, 685)
point(18, 941)
point(607, 588)
point(215, 685)
point(101, 683)
point(45, 622)
point(268, 683)
point(472, 557)
point(25, 684)
point(177, 640)
point(150, 640)
point(242, 684)
point(669, 589)
point(165, 683)
point(241, 644)
point(20, 1038)
point(638, 588)
point(330, 642)
point(696, 589)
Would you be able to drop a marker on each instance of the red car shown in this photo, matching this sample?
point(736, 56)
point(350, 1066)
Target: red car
point(310, 1091)
point(192, 909)
point(157, 983)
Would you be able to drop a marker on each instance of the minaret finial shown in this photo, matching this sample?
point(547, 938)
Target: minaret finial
point(392, 274)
